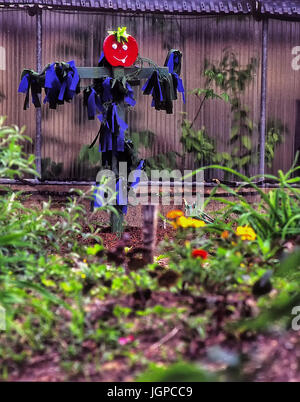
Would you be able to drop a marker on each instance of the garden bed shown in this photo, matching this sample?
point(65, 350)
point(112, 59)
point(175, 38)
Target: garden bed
point(163, 334)
point(219, 301)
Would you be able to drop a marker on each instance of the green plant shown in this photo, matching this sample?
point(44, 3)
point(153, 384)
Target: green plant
point(145, 139)
point(90, 158)
point(280, 309)
point(276, 132)
point(13, 162)
point(50, 169)
point(232, 262)
point(230, 77)
point(35, 282)
point(234, 82)
point(276, 216)
point(178, 372)
point(197, 142)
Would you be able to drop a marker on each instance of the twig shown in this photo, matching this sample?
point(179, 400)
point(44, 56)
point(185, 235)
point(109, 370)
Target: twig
point(165, 339)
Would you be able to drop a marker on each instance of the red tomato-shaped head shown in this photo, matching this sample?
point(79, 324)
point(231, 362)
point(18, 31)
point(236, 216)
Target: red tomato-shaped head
point(123, 53)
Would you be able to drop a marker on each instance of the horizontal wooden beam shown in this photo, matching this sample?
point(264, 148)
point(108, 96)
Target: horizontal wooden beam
point(100, 72)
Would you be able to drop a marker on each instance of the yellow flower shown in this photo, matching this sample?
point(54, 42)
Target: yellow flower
point(196, 223)
point(84, 260)
point(245, 233)
point(189, 222)
point(183, 222)
point(83, 276)
point(175, 213)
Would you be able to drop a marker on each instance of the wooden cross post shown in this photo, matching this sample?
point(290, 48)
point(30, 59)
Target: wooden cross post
point(119, 72)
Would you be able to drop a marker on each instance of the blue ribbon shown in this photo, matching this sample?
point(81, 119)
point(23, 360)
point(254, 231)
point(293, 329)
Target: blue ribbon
point(105, 143)
point(73, 78)
point(51, 80)
point(30, 82)
point(129, 99)
point(122, 126)
point(107, 95)
point(55, 90)
point(23, 87)
point(170, 66)
point(170, 63)
point(137, 174)
point(101, 57)
point(52, 85)
point(180, 87)
point(158, 84)
point(94, 104)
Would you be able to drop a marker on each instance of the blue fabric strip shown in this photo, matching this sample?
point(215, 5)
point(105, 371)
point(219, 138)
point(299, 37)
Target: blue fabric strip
point(180, 87)
point(101, 57)
point(74, 76)
point(98, 196)
point(145, 86)
point(105, 143)
point(129, 99)
point(137, 174)
point(107, 95)
point(160, 92)
point(92, 104)
point(23, 87)
point(170, 63)
point(62, 90)
point(122, 126)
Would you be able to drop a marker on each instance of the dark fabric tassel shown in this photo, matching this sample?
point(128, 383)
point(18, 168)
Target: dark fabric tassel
point(30, 81)
point(173, 61)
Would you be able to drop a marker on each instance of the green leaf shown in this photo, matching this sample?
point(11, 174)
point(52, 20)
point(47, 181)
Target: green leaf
point(246, 141)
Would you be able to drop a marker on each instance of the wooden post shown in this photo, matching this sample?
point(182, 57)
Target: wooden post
point(116, 221)
point(149, 231)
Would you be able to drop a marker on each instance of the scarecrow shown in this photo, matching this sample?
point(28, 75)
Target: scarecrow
point(119, 69)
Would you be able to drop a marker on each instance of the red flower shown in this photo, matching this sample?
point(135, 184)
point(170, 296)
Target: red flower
point(199, 253)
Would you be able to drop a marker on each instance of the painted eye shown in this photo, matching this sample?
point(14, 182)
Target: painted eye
point(114, 46)
point(125, 47)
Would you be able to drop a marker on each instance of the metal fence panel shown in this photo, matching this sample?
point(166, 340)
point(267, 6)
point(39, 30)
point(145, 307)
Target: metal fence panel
point(283, 89)
point(79, 37)
point(17, 50)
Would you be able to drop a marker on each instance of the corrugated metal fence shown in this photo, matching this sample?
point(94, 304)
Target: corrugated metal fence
point(79, 35)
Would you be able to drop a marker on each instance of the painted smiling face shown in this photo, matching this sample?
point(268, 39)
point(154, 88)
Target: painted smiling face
point(120, 50)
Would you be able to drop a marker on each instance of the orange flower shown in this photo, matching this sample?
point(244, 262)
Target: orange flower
point(199, 253)
point(225, 234)
point(174, 213)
